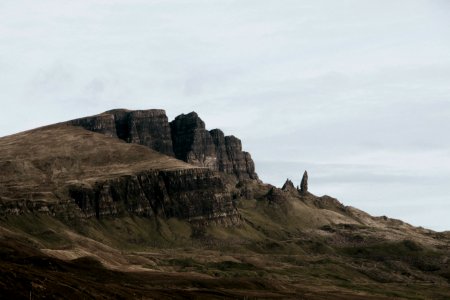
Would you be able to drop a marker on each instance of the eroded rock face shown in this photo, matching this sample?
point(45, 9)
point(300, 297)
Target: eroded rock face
point(104, 123)
point(230, 157)
point(196, 195)
point(288, 186)
point(185, 137)
point(212, 149)
point(192, 142)
point(150, 128)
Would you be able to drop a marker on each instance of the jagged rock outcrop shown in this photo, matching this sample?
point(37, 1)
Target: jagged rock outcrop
point(288, 186)
point(230, 157)
point(241, 161)
point(212, 149)
point(304, 183)
point(192, 142)
point(185, 137)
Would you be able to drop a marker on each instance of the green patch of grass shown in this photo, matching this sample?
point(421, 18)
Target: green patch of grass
point(387, 250)
point(44, 229)
point(231, 265)
point(184, 263)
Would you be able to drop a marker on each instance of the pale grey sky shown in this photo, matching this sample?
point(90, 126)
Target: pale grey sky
point(355, 91)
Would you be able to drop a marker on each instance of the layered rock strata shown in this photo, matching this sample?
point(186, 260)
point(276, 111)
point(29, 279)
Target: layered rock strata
point(196, 195)
point(212, 149)
point(144, 127)
point(186, 138)
point(192, 143)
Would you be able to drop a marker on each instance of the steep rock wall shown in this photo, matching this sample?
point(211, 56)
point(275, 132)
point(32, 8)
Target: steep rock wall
point(192, 142)
point(196, 195)
point(212, 149)
point(185, 137)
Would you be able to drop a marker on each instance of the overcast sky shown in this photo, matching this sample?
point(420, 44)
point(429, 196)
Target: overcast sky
point(355, 91)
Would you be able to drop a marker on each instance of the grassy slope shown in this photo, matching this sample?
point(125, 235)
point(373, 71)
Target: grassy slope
point(39, 161)
point(270, 254)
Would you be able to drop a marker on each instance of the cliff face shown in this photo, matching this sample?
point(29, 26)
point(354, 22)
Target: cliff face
point(192, 142)
point(185, 137)
point(196, 195)
point(212, 149)
point(104, 123)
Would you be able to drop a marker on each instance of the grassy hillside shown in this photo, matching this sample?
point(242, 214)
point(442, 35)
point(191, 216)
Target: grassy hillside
point(269, 255)
point(285, 245)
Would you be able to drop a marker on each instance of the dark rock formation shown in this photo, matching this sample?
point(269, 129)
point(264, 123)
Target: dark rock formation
point(241, 162)
point(212, 149)
point(196, 195)
point(186, 138)
point(145, 127)
point(223, 162)
point(276, 196)
point(304, 183)
point(150, 128)
point(288, 186)
point(192, 142)
point(103, 123)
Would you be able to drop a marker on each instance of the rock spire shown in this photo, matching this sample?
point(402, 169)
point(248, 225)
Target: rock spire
point(304, 183)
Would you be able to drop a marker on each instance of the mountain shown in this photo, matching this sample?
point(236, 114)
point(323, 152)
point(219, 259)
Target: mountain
point(126, 204)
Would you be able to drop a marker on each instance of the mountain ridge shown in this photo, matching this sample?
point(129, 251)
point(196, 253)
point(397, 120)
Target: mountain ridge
point(185, 138)
point(79, 203)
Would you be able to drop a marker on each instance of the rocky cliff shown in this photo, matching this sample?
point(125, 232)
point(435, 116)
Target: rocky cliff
point(68, 172)
point(212, 149)
point(186, 138)
point(192, 142)
point(196, 195)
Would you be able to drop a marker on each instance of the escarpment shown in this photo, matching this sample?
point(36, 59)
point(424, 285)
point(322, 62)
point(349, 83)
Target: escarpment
point(68, 172)
point(212, 149)
point(195, 195)
point(185, 138)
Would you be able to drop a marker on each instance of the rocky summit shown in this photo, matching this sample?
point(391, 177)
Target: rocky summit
point(127, 205)
point(185, 137)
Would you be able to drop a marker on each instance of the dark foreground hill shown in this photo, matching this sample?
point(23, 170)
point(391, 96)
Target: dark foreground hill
point(127, 205)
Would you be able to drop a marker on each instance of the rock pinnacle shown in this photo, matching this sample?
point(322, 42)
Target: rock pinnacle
point(304, 183)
